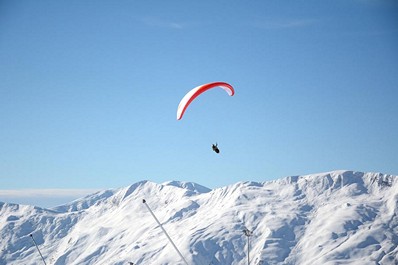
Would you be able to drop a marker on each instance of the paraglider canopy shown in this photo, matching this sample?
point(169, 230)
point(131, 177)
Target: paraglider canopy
point(191, 95)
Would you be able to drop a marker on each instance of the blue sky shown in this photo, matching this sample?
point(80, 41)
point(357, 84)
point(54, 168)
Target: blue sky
point(89, 91)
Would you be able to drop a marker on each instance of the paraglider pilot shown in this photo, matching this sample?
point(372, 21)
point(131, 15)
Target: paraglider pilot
point(215, 148)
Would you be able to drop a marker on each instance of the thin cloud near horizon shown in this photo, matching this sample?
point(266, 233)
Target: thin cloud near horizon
point(44, 198)
point(25, 193)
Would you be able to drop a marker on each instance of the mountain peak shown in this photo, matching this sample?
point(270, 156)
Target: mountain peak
point(332, 217)
point(190, 186)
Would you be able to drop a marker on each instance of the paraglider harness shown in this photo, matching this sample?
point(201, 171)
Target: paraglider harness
point(215, 148)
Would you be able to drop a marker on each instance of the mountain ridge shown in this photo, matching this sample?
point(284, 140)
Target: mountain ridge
point(331, 217)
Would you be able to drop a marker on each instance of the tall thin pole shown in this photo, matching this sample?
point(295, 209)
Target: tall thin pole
point(248, 250)
point(248, 233)
point(38, 249)
point(164, 231)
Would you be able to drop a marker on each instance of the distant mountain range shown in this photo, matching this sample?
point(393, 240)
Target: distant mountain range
point(339, 217)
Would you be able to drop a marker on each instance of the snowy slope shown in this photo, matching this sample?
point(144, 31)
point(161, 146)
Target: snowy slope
point(340, 217)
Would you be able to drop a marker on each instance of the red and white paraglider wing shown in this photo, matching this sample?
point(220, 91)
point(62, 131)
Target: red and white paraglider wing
point(191, 95)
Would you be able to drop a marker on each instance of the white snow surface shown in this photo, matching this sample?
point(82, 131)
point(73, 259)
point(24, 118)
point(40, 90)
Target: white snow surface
point(339, 217)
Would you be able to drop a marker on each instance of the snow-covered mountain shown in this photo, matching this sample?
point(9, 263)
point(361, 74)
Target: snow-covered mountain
point(340, 217)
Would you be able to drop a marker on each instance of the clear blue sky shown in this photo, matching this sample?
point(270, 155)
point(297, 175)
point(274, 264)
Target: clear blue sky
point(89, 91)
